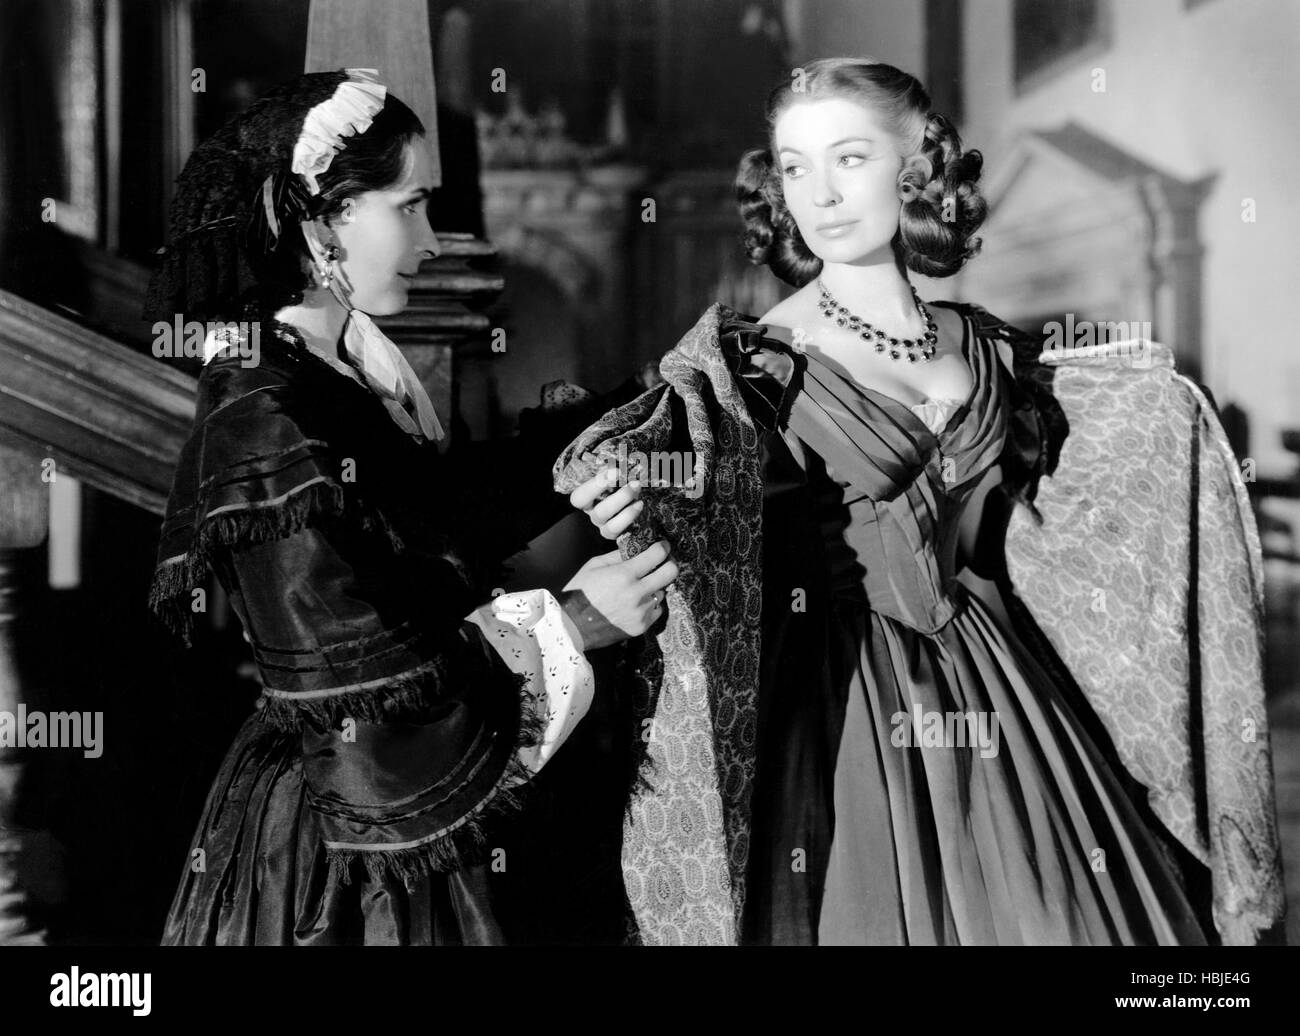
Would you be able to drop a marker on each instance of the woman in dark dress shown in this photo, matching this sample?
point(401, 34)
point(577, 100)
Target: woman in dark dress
point(400, 714)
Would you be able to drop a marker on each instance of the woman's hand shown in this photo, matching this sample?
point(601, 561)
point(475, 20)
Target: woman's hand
point(609, 599)
point(611, 512)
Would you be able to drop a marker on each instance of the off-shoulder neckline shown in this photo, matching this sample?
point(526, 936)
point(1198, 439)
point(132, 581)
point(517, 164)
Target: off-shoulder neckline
point(842, 373)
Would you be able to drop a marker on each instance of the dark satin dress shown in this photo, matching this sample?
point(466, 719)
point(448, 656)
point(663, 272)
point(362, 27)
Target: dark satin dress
point(861, 839)
point(327, 606)
point(266, 879)
point(379, 835)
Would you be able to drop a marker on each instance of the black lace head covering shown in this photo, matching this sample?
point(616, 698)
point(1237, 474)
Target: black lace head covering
point(226, 254)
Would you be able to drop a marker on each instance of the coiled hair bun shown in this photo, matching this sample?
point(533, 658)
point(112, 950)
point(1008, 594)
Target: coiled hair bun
point(938, 184)
point(942, 203)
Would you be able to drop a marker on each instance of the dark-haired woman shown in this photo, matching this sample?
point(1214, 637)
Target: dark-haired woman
point(868, 823)
point(400, 713)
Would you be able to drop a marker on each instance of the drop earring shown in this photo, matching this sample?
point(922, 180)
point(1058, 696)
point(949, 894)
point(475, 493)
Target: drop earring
point(327, 267)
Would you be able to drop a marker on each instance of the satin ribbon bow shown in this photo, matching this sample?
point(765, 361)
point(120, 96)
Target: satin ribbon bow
point(380, 363)
point(388, 374)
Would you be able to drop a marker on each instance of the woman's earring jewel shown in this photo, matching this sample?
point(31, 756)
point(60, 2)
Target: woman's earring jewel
point(327, 268)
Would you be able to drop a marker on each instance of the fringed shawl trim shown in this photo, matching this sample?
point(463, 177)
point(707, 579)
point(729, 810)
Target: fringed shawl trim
point(464, 841)
point(177, 577)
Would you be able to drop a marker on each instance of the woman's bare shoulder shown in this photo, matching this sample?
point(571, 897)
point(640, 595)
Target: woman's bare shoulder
point(948, 315)
point(778, 314)
point(953, 313)
point(788, 314)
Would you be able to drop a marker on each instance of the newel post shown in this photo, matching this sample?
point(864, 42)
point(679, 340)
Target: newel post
point(24, 522)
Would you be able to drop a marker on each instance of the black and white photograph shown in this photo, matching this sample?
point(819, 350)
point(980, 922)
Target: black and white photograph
point(560, 475)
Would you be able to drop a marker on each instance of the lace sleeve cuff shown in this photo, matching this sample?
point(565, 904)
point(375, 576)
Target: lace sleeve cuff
point(533, 636)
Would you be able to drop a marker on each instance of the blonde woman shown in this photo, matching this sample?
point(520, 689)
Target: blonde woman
point(888, 755)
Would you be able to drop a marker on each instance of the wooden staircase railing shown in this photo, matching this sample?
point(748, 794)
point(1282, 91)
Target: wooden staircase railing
point(104, 413)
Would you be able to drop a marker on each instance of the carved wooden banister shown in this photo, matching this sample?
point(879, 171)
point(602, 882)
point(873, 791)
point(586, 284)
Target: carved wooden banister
point(106, 414)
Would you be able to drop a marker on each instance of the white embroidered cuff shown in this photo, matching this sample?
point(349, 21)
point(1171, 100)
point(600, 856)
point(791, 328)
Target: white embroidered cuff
point(531, 633)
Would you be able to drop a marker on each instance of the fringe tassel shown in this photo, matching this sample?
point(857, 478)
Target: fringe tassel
point(402, 698)
point(641, 668)
point(466, 844)
point(173, 583)
point(170, 594)
point(1245, 927)
point(265, 524)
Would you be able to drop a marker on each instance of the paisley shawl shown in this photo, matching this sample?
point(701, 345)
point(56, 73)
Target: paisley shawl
point(1101, 452)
